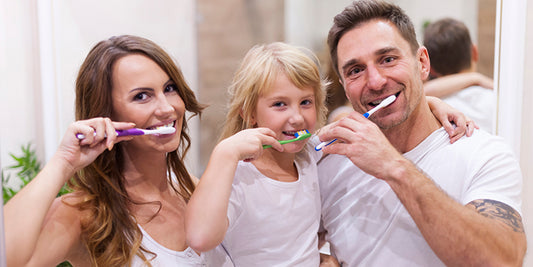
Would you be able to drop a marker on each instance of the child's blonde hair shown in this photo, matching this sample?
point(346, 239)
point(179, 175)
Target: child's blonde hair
point(256, 74)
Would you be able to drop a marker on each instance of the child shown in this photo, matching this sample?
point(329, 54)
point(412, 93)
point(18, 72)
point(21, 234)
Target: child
point(266, 208)
point(263, 205)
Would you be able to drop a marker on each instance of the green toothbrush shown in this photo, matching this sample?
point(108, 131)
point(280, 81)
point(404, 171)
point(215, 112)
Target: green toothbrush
point(300, 135)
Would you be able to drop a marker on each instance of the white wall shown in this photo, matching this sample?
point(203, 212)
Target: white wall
point(18, 76)
point(526, 124)
point(307, 22)
point(514, 74)
point(43, 43)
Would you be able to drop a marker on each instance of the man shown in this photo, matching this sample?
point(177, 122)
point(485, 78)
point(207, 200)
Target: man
point(452, 52)
point(398, 193)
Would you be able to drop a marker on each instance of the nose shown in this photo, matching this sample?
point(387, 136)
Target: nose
point(375, 79)
point(296, 117)
point(164, 107)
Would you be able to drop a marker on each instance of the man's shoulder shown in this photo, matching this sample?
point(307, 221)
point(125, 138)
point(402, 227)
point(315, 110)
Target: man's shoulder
point(482, 139)
point(476, 150)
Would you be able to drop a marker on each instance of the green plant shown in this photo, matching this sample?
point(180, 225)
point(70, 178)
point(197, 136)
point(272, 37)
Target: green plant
point(28, 167)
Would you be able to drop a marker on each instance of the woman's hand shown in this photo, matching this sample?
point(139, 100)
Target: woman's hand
point(99, 134)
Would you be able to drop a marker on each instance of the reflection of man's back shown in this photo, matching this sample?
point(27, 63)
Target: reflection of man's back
point(451, 51)
point(476, 102)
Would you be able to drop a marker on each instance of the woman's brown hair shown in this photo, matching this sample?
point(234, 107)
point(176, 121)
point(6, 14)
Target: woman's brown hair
point(111, 234)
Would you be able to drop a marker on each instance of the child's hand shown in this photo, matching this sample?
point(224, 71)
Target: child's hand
point(248, 144)
point(447, 115)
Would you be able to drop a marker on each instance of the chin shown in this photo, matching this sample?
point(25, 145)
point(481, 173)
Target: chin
point(389, 122)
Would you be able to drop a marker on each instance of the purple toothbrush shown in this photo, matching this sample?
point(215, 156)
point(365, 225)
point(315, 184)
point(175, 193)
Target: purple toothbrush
point(137, 131)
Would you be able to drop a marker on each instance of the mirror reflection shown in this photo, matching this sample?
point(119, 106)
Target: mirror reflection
point(306, 23)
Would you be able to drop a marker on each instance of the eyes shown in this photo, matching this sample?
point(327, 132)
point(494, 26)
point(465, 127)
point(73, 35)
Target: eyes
point(283, 104)
point(143, 94)
point(171, 88)
point(355, 70)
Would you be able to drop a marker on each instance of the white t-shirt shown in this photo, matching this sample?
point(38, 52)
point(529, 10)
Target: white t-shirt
point(167, 257)
point(476, 102)
point(368, 226)
point(273, 223)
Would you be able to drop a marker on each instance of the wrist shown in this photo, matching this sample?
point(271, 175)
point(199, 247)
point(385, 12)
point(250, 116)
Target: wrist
point(61, 165)
point(226, 152)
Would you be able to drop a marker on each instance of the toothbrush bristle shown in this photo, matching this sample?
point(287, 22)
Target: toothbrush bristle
point(166, 130)
point(300, 133)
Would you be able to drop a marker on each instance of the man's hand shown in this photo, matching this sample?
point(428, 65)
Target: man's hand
point(328, 261)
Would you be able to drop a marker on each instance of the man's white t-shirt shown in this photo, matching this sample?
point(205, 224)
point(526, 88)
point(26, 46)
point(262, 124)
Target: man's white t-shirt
point(366, 223)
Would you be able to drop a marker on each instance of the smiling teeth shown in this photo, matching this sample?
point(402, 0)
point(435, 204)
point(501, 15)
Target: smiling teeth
point(162, 126)
point(376, 102)
point(168, 125)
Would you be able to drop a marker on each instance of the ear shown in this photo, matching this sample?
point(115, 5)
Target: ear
point(425, 66)
point(475, 53)
point(252, 118)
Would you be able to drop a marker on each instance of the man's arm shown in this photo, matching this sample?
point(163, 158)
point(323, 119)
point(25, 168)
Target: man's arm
point(482, 233)
point(460, 235)
point(498, 211)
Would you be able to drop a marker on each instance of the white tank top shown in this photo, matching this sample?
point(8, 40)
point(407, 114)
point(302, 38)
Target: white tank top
point(167, 257)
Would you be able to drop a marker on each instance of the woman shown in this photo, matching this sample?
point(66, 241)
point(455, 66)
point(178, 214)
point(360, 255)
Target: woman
point(129, 193)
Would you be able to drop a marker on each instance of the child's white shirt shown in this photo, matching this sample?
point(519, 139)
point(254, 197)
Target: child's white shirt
point(273, 223)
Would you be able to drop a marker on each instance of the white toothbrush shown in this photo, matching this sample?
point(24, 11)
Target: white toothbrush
point(387, 101)
point(137, 131)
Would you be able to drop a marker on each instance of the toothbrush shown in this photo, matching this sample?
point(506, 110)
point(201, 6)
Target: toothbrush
point(137, 131)
point(300, 135)
point(387, 101)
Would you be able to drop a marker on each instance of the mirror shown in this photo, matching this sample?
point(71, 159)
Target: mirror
point(305, 23)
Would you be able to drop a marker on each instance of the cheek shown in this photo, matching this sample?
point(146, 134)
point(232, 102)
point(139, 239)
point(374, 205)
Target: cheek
point(352, 91)
point(124, 113)
point(179, 106)
point(311, 119)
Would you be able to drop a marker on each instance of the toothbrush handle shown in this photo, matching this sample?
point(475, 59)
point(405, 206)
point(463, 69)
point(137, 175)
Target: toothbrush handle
point(133, 131)
point(280, 141)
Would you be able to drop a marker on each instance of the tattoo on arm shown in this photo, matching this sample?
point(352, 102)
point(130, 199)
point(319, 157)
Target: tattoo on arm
point(499, 211)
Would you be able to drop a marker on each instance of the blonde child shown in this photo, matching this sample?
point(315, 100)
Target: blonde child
point(263, 205)
point(265, 210)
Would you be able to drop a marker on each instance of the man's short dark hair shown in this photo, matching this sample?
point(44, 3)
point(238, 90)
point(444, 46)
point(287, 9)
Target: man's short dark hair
point(363, 11)
point(449, 46)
